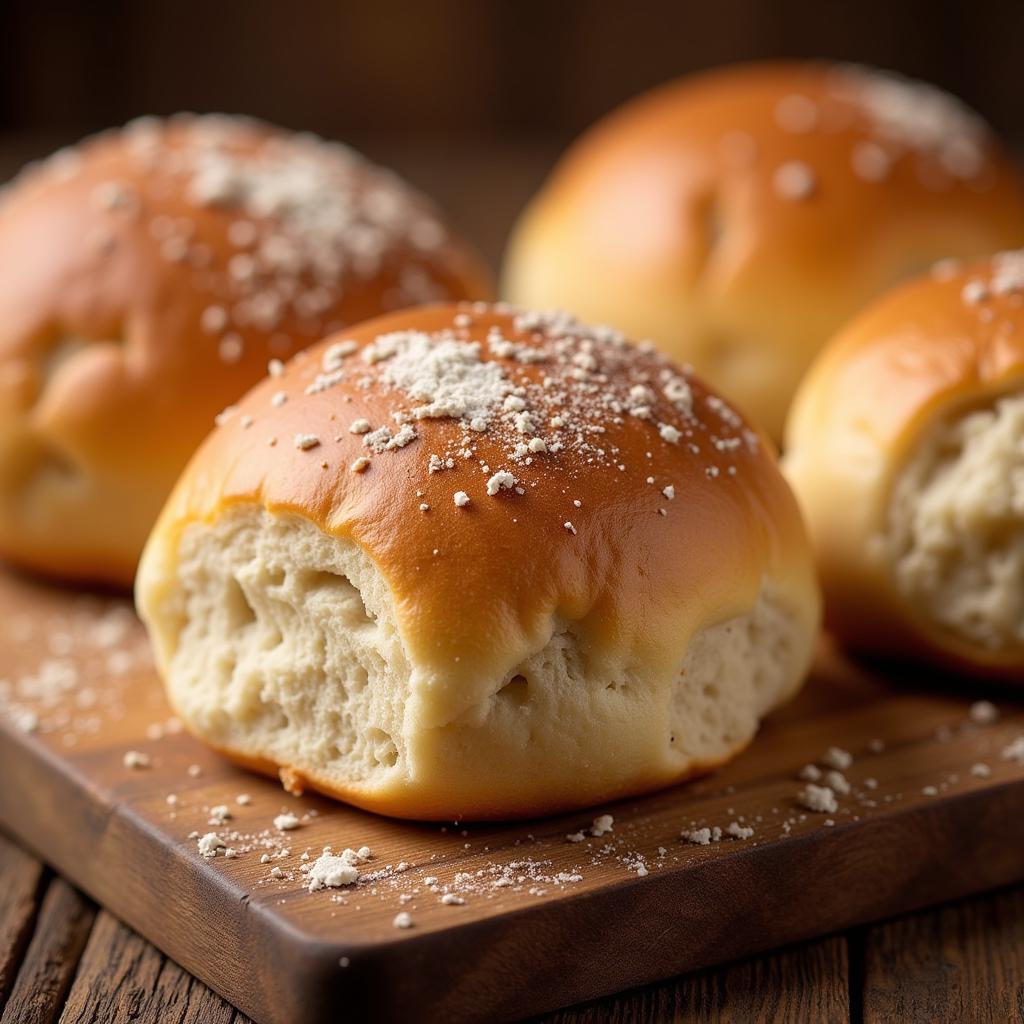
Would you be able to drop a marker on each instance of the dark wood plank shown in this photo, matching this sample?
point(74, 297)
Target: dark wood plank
point(809, 983)
point(21, 880)
point(961, 963)
point(123, 978)
point(283, 954)
point(65, 920)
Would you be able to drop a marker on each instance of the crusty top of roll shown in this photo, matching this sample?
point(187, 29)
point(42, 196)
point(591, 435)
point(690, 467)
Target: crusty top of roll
point(604, 484)
point(791, 152)
point(936, 345)
point(758, 207)
point(179, 256)
point(928, 352)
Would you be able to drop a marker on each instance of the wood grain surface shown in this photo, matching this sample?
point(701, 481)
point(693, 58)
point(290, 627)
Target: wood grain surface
point(816, 982)
point(575, 921)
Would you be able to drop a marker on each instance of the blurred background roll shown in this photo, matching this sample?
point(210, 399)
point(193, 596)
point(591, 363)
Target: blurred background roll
point(151, 275)
point(737, 218)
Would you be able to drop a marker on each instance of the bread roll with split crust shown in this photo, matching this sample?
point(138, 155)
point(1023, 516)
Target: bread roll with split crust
point(148, 277)
point(904, 448)
point(464, 562)
point(741, 216)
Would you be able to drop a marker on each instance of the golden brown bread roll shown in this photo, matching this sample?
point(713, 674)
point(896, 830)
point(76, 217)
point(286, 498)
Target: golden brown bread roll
point(146, 278)
point(904, 446)
point(464, 562)
point(739, 217)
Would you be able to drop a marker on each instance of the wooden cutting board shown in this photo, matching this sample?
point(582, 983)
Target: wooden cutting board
point(533, 921)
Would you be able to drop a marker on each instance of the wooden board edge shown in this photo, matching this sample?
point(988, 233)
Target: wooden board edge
point(515, 964)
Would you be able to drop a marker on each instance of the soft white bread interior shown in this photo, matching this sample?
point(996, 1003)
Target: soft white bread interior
point(578, 574)
point(904, 448)
point(150, 274)
point(741, 216)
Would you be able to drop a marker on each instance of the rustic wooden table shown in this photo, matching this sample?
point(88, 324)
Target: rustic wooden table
point(63, 958)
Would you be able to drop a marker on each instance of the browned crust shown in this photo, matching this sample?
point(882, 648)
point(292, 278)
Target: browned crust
point(127, 415)
point(917, 358)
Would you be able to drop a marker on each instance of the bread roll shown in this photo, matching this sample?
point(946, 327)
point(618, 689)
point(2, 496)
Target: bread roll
point(905, 450)
point(463, 562)
point(739, 217)
point(147, 277)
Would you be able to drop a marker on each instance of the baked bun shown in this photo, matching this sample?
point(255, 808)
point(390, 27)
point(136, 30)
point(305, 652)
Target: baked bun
point(146, 278)
point(740, 217)
point(464, 562)
point(905, 449)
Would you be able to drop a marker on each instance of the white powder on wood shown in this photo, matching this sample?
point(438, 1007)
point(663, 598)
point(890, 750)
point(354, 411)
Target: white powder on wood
point(819, 799)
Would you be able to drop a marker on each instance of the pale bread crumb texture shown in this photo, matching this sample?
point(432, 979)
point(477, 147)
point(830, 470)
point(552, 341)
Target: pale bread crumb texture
point(956, 526)
point(283, 645)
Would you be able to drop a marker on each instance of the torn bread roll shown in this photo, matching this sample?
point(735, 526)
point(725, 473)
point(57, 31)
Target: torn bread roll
point(467, 562)
point(149, 275)
point(904, 448)
point(741, 216)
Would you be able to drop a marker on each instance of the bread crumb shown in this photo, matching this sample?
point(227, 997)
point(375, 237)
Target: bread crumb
point(836, 757)
point(461, 498)
point(738, 831)
point(669, 492)
point(809, 773)
point(836, 781)
point(359, 427)
point(243, 799)
point(403, 920)
point(360, 464)
point(286, 822)
point(929, 791)
point(984, 712)
point(568, 526)
point(602, 823)
point(819, 799)
point(503, 479)
point(136, 759)
point(702, 836)
point(981, 770)
point(575, 837)
point(209, 844)
point(1014, 751)
point(449, 899)
point(669, 433)
point(306, 441)
point(330, 871)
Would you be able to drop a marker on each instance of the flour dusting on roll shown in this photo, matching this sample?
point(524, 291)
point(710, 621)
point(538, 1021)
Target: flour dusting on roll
point(150, 276)
point(474, 562)
point(739, 217)
point(905, 451)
